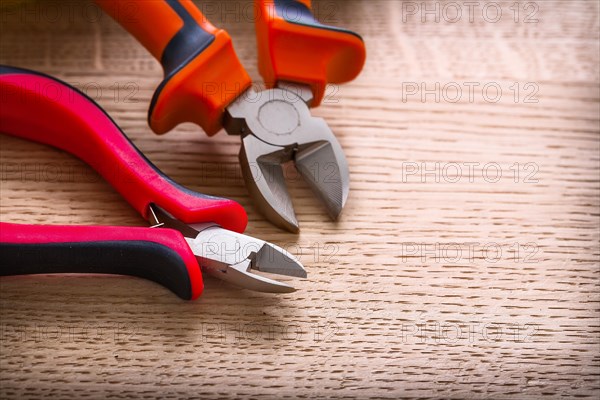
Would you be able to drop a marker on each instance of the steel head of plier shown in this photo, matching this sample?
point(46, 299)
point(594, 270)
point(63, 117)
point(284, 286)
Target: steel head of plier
point(232, 256)
point(277, 127)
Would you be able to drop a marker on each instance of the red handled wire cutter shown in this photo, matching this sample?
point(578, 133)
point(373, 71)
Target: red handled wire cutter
point(191, 229)
point(205, 83)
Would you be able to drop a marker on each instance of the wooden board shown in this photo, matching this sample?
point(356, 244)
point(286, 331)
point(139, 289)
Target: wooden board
point(466, 263)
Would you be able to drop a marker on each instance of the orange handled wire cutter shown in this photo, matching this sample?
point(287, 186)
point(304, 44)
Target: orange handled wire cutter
point(205, 83)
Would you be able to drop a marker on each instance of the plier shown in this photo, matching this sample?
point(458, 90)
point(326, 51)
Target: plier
point(205, 83)
point(190, 229)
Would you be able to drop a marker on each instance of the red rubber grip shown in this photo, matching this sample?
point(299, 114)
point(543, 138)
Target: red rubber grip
point(40, 108)
point(161, 255)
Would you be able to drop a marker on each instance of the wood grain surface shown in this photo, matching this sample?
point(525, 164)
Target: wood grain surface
point(467, 260)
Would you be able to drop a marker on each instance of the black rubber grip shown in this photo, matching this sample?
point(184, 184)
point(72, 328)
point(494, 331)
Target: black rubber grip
point(144, 259)
point(186, 45)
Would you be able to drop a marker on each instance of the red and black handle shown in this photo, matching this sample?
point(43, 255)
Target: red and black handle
point(40, 108)
point(43, 109)
point(160, 255)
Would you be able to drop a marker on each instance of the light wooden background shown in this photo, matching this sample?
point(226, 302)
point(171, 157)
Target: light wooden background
point(390, 308)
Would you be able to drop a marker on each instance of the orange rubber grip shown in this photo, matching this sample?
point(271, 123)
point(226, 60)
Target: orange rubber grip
point(202, 72)
point(293, 46)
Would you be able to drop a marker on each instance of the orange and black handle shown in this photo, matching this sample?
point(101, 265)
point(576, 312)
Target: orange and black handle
point(202, 74)
point(293, 46)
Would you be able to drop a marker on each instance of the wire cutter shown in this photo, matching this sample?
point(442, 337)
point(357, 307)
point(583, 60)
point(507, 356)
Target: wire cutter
point(205, 83)
point(192, 229)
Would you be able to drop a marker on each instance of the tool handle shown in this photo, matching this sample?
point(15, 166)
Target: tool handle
point(293, 46)
point(160, 255)
point(202, 73)
point(40, 108)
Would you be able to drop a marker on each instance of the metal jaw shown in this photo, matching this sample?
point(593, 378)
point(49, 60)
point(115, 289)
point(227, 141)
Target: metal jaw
point(231, 256)
point(276, 127)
